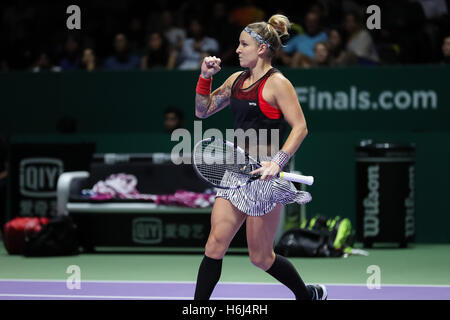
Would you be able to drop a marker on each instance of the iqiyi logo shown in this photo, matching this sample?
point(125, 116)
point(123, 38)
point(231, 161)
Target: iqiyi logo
point(38, 176)
point(147, 230)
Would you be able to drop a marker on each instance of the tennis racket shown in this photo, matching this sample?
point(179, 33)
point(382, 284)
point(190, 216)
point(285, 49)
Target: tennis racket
point(224, 165)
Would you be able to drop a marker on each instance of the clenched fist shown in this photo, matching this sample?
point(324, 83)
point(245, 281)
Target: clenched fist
point(210, 66)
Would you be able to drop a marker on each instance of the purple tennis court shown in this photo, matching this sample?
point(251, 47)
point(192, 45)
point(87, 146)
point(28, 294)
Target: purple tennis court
point(110, 290)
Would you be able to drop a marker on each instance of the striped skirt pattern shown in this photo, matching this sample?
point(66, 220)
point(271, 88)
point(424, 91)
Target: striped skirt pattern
point(260, 197)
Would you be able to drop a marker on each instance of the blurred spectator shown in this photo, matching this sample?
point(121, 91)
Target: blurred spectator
point(173, 34)
point(88, 61)
point(44, 63)
point(435, 12)
point(71, 59)
point(411, 32)
point(173, 119)
point(335, 43)
point(218, 22)
point(220, 27)
point(19, 12)
point(433, 8)
point(136, 35)
point(446, 50)
point(196, 47)
point(245, 14)
point(159, 54)
point(122, 59)
point(359, 39)
point(320, 9)
point(338, 54)
point(300, 49)
point(322, 55)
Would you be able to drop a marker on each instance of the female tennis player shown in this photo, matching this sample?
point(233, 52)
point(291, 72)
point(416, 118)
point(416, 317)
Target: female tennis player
point(260, 98)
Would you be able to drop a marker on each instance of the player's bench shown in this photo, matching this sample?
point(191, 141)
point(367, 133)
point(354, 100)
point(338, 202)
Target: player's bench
point(135, 224)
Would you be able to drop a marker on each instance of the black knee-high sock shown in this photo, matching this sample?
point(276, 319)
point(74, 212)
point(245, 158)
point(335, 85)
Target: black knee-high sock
point(285, 272)
point(207, 278)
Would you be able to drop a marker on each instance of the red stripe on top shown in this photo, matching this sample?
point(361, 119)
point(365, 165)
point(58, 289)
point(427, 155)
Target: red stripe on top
point(269, 111)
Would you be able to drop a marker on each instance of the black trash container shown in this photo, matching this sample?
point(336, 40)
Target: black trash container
point(385, 175)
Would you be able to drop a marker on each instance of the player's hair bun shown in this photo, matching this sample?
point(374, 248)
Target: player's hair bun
point(280, 23)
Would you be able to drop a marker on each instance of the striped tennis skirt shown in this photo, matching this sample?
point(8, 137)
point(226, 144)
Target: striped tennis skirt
point(261, 196)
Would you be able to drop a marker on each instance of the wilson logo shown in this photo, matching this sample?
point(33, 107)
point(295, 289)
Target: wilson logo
point(39, 176)
point(147, 230)
point(371, 203)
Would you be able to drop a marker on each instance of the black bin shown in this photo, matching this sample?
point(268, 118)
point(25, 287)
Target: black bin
point(385, 205)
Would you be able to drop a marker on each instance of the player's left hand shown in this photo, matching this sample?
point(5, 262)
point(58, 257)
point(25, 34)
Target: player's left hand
point(268, 170)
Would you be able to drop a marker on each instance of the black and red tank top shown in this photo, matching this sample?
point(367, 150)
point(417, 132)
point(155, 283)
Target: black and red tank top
point(250, 110)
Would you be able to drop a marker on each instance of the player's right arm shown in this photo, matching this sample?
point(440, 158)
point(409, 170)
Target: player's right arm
point(210, 103)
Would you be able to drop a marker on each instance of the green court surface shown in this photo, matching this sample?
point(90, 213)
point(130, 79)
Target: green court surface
point(419, 264)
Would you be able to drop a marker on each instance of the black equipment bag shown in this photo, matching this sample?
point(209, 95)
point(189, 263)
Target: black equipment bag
point(306, 243)
point(317, 237)
point(57, 238)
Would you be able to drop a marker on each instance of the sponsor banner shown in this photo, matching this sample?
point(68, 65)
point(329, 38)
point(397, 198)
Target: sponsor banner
point(157, 231)
point(398, 98)
point(385, 201)
point(168, 229)
point(382, 98)
point(34, 173)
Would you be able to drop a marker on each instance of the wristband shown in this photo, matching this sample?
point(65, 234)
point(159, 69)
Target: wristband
point(281, 158)
point(203, 86)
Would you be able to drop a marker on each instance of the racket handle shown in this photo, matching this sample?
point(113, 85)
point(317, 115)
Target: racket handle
point(309, 180)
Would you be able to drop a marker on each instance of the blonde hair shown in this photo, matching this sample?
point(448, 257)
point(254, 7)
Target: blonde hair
point(271, 31)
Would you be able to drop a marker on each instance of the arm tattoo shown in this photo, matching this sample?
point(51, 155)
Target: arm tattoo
point(208, 105)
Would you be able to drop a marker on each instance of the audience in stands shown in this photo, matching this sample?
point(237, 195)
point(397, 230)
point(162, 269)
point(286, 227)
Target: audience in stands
point(71, 59)
point(359, 41)
point(196, 47)
point(173, 119)
point(123, 58)
point(88, 61)
point(159, 54)
point(174, 34)
point(299, 51)
point(411, 33)
point(220, 26)
point(43, 63)
point(339, 55)
point(322, 55)
point(446, 50)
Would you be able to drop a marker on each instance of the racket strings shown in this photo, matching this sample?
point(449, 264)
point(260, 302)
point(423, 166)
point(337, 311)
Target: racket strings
point(215, 159)
point(228, 167)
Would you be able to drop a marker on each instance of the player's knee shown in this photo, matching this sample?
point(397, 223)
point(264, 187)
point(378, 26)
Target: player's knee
point(261, 261)
point(215, 247)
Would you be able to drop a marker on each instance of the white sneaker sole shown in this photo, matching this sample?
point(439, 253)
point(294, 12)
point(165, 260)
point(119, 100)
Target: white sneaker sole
point(325, 292)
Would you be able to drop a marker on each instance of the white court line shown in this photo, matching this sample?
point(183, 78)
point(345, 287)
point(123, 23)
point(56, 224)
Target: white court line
point(125, 297)
point(226, 283)
point(132, 281)
point(86, 296)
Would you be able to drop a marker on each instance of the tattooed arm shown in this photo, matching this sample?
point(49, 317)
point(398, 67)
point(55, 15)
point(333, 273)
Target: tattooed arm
point(206, 105)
